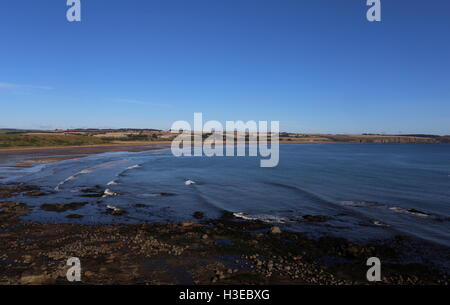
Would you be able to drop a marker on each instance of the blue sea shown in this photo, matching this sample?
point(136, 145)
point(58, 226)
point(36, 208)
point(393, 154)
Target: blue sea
point(367, 191)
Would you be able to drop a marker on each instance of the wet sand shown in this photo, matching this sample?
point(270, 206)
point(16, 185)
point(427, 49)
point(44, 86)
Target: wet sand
point(43, 155)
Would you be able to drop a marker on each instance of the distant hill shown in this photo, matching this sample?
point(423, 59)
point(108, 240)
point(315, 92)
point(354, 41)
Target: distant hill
point(10, 137)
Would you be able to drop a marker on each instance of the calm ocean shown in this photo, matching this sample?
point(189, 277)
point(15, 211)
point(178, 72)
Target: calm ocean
point(368, 191)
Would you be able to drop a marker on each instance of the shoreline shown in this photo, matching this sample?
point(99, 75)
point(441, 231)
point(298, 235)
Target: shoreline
point(94, 147)
point(226, 250)
point(69, 152)
point(136, 145)
point(43, 155)
point(222, 251)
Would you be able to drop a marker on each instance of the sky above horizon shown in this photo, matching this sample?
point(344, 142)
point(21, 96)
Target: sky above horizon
point(314, 65)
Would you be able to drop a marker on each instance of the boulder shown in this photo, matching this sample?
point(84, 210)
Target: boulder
point(275, 230)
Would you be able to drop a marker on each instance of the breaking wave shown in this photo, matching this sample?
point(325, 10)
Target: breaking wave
point(122, 173)
point(410, 211)
point(73, 177)
point(262, 217)
point(108, 193)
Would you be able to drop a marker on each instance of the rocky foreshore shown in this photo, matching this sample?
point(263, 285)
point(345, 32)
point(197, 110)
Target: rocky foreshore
point(220, 251)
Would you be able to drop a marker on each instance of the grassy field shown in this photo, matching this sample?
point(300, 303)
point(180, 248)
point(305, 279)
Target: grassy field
point(10, 138)
point(12, 141)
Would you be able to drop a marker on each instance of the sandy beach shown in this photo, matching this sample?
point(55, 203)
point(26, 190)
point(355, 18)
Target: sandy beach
point(42, 155)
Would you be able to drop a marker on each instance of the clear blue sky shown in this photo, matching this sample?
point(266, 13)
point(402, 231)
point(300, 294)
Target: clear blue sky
point(314, 65)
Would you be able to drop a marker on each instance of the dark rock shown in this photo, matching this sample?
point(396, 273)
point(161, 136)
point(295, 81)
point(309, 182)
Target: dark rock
point(118, 212)
point(227, 215)
point(95, 191)
point(115, 211)
point(198, 215)
point(93, 195)
point(417, 212)
point(11, 210)
point(35, 194)
point(91, 189)
point(75, 216)
point(11, 190)
point(316, 218)
point(58, 207)
point(167, 194)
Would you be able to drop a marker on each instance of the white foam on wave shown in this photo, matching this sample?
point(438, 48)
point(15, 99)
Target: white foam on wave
point(189, 182)
point(409, 211)
point(379, 205)
point(379, 223)
point(360, 203)
point(58, 187)
point(263, 218)
point(133, 167)
point(150, 195)
point(73, 177)
point(136, 166)
point(113, 182)
point(113, 208)
point(108, 193)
